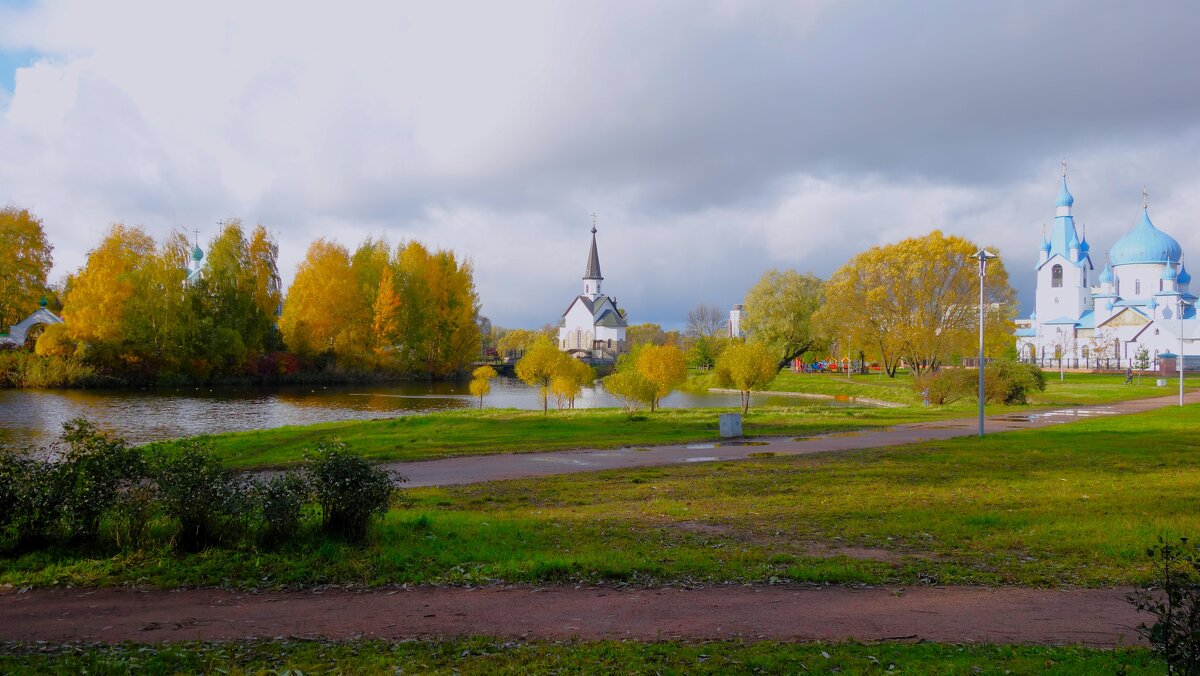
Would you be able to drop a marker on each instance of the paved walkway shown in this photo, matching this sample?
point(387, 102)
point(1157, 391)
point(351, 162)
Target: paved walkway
point(476, 469)
point(1098, 617)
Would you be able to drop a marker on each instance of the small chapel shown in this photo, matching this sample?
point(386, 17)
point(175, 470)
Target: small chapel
point(1140, 300)
point(592, 327)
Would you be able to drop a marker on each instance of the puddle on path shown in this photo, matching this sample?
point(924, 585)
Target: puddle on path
point(719, 444)
point(703, 458)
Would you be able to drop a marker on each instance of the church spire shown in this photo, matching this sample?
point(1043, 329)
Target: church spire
point(592, 276)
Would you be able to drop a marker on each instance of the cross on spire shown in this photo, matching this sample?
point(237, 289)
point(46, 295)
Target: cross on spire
point(196, 232)
point(1064, 167)
point(1145, 198)
point(593, 222)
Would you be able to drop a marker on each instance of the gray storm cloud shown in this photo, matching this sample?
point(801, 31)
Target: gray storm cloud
point(715, 139)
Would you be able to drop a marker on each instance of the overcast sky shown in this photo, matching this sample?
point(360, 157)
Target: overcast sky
point(714, 140)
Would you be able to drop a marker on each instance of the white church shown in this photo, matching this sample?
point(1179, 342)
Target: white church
point(592, 327)
point(1141, 298)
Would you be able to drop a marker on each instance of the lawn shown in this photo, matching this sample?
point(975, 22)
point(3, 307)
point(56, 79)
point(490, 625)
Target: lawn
point(490, 656)
point(1071, 504)
point(471, 432)
point(1074, 389)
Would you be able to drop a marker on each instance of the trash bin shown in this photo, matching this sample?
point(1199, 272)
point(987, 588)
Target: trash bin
point(731, 425)
point(1162, 382)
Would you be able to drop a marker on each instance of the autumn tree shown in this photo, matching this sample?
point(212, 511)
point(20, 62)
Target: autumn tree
point(98, 296)
point(323, 304)
point(747, 367)
point(664, 366)
point(570, 377)
point(515, 342)
point(644, 334)
point(481, 382)
point(385, 327)
point(918, 301)
point(705, 321)
point(778, 313)
point(25, 261)
point(538, 367)
point(629, 386)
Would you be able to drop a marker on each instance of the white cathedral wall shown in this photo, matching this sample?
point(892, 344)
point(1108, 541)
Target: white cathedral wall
point(1138, 281)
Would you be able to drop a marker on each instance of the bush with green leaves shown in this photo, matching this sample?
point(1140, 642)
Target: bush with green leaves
point(349, 489)
point(1173, 598)
point(93, 470)
point(280, 501)
point(208, 501)
point(1004, 382)
point(30, 502)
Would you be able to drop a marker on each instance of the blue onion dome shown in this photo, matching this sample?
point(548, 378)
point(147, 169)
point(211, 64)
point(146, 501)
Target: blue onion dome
point(1108, 306)
point(1152, 304)
point(197, 254)
point(1184, 276)
point(1106, 276)
point(1169, 273)
point(1084, 246)
point(1045, 245)
point(1033, 316)
point(1064, 196)
point(1145, 244)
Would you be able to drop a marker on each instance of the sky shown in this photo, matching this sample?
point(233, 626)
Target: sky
point(714, 140)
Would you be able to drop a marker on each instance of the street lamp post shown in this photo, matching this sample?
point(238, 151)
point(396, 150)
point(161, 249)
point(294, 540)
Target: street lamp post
point(1180, 357)
point(983, 256)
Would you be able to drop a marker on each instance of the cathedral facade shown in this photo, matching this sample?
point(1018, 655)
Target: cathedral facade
point(1140, 300)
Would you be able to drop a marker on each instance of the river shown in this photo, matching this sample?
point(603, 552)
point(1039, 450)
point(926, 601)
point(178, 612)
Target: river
point(35, 417)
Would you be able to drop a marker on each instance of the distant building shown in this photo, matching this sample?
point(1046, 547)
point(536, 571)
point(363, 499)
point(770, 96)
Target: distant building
point(592, 326)
point(195, 266)
point(1136, 301)
point(735, 322)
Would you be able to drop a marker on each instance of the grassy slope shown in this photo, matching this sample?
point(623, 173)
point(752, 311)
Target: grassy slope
point(484, 656)
point(1070, 504)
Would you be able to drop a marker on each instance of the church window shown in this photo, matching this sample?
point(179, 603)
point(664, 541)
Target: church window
point(1160, 287)
point(1137, 287)
point(1056, 276)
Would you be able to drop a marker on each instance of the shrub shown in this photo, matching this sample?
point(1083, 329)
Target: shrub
point(1004, 382)
point(134, 509)
point(30, 508)
point(93, 470)
point(280, 501)
point(1173, 598)
point(349, 490)
point(206, 499)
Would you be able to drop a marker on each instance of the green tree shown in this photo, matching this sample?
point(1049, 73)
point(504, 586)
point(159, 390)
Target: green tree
point(747, 367)
point(778, 314)
point(25, 261)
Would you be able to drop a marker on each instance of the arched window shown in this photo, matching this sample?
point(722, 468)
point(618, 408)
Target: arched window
point(1085, 352)
point(1056, 276)
point(1137, 287)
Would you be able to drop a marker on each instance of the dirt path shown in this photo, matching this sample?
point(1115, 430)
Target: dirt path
point(1098, 617)
point(476, 469)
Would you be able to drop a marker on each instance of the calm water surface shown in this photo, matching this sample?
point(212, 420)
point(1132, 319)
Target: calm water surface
point(33, 417)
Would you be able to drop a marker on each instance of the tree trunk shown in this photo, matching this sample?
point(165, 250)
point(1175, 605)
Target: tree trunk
point(745, 402)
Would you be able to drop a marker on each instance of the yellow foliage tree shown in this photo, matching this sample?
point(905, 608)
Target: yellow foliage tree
point(665, 366)
point(515, 341)
point(25, 260)
point(746, 367)
point(569, 379)
point(98, 297)
point(323, 309)
point(481, 382)
point(918, 301)
point(542, 361)
point(630, 387)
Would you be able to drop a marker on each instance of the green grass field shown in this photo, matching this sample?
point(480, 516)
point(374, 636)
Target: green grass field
point(490, 656)
point(1070, 504)
point(473, 432)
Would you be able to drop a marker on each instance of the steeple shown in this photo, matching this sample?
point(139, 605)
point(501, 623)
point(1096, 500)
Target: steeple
point(1064, 240)
point(592, 276)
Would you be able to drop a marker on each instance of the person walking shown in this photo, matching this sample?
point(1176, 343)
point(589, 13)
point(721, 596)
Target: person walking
point(1128, 375)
